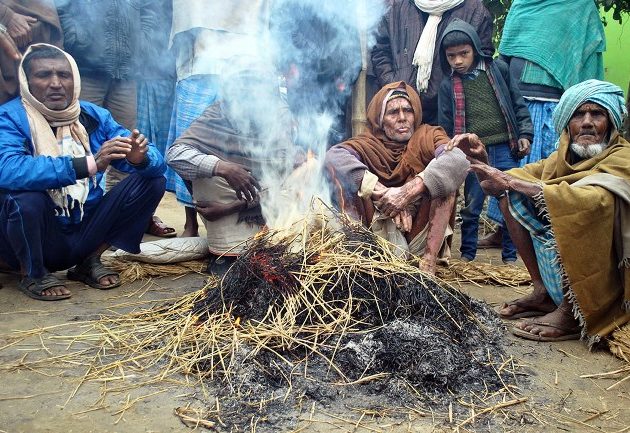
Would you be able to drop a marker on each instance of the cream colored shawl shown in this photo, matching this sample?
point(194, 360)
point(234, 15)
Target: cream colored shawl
point(71, 138)
point(423, 56)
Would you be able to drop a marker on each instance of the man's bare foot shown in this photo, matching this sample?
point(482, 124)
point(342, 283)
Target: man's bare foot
point(56, 291)
point(557, 325)
point(536, 303)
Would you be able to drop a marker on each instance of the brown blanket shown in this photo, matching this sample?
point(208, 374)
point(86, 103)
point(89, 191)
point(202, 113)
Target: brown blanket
point(586, 203)
point(395, 163)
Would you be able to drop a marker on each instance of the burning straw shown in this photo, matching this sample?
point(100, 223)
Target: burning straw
point(323, 312)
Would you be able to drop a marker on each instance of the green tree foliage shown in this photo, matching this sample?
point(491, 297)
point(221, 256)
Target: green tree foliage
point(618, 7)
point(500, 8)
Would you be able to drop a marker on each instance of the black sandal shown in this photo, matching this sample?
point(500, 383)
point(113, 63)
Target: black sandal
point(91, 271)
point(34, 287)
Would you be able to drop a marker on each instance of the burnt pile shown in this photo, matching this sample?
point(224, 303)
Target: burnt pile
point(322, 317)
point(343, 305)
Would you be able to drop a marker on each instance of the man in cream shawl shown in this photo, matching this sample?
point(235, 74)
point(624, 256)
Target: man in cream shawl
point(569, 217)
point(53, 152)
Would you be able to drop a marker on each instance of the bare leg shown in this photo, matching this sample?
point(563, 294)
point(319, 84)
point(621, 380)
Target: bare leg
point(191, 226)
point(560, 319)
point(439, 216)
point(539, 299)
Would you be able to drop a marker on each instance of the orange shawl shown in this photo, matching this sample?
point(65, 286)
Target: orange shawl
point(395, 163)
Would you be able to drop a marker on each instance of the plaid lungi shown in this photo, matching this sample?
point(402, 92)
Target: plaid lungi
point(493, 212)
point(192, 96)
point(545, 137)
point(539, 228)
point(155, 105)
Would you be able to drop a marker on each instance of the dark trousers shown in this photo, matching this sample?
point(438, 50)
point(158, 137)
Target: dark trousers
point(499, 156)
point(33, 240)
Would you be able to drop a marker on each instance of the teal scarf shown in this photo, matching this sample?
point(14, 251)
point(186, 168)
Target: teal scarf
point(547, 33)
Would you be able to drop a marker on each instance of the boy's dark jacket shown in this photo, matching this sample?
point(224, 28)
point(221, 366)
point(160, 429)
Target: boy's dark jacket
point(510, 98)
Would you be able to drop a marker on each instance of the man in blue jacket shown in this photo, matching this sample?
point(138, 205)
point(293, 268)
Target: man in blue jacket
point(54, 150)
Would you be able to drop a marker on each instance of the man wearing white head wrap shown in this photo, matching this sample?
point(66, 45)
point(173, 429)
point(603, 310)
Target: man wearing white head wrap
point(569, 216)
point(54, 150)
point(405, 44)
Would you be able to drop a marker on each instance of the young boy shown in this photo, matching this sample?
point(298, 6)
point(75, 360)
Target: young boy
point(478, 95)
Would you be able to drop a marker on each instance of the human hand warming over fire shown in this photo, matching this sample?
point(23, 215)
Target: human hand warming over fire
point(20, 29)
point(213, 211)
point(471, 145)
point(496, 182)
point(492, 180)
point(392, 201)
point(239, 178)
point(404, 219)
point(138, 151)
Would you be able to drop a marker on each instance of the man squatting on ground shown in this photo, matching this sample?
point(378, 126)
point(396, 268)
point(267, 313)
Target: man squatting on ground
point(53, 152)
point(569, 217)
point(395, 177)
point(224, 152)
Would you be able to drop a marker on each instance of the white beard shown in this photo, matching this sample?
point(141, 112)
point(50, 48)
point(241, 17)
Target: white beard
point(589, 151)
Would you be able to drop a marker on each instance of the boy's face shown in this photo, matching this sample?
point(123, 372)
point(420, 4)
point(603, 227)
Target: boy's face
point(460, 57)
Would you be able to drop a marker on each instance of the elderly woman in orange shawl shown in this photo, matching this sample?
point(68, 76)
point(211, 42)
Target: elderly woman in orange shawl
point(395, 177)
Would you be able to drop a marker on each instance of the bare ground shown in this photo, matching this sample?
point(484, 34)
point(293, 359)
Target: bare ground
point(554, 396)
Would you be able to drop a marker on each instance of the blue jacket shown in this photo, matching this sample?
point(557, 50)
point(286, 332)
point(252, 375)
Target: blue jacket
point(21, 170)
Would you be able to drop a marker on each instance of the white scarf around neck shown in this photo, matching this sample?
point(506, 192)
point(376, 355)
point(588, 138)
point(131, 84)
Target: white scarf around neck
point(423, 56)
point(71, 138)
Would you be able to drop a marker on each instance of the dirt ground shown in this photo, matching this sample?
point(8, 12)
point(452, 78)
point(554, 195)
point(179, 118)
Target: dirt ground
point(556, 397)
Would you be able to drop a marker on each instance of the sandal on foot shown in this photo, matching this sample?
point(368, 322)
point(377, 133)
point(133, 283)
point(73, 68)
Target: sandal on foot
point(521, 315)
point(158, 228)
point(34, 287)
point(574, 333)
point(91, 271)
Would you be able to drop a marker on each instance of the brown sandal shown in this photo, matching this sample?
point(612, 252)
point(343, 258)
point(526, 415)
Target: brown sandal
point(158, 228)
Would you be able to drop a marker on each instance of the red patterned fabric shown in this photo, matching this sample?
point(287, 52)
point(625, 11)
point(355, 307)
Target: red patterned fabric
point(459, 115)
